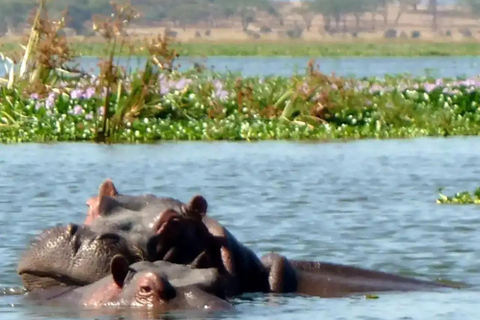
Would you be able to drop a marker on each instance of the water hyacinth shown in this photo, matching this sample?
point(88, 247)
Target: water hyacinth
point(203, 107)
point(167, 85)
point(219, 93)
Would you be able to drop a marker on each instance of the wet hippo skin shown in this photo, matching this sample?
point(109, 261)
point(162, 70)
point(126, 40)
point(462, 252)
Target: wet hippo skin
point(247, 273)
point(326, 279)
point(154, 287)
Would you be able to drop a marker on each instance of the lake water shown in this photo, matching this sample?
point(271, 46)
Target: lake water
point(368, 203)
point(445, 67)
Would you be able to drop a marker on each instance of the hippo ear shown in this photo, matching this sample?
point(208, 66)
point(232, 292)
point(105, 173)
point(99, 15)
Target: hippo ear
point(197, 207)
point(106, 205)
point(119, 269)
point(107, 188)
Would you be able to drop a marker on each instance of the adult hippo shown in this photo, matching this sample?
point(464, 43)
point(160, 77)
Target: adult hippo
point(72, 255)
point(76, 255)
point(152, 223)
point(145, 286)
point(218, 248)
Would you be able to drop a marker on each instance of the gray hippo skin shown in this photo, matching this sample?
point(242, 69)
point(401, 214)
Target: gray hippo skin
point(141, 286)
point(71, 255)
point(221, 250)
point(330, 280)
point(176, 232)
point(163, 228)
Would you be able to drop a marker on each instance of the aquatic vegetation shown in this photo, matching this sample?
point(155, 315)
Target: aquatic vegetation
point(206, 106)
point(46, 101)
point(463, 197)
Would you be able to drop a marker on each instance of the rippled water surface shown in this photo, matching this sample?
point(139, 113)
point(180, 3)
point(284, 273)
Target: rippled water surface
point(367, 203)
point(445, 67)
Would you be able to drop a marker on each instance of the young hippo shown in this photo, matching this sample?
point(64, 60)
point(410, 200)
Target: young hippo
point(143, 287)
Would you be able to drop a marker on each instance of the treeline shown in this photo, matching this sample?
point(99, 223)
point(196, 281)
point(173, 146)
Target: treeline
point(183, 12)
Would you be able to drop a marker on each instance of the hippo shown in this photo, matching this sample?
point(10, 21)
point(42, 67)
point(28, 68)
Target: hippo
point(140, 286)
point(331, 280)
point(152, 223)
point(164, 228)
point(72, 255)
point(216, 247)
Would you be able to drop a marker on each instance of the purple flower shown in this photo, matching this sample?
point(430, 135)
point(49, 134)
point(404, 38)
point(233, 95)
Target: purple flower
point(38, 105)
point(439, 82)
point(359, 87)
point(429, 87)
point(50, 101)
point(78, 110)
point(165, 85)
point(334, 86)
point(100, 111)
point(304, 88)
point(376, 88)
point(34, 96)
point(182, 84)
point(217, 84)
point(89, 116)
point(76, 94)
point(164, 88)
point(221, 94)
point(89, 93)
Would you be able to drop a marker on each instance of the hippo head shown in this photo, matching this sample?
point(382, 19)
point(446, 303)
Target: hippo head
point(71, 255)
point(146, 288)
point(164, 228)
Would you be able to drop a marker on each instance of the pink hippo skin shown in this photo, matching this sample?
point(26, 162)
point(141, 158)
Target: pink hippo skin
point(147, 288)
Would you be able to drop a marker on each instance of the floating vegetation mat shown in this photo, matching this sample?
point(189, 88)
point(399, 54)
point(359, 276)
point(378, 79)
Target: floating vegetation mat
point(463, 197)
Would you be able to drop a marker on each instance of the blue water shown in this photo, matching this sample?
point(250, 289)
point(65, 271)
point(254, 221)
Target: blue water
point(367, 203)
point(444, 67)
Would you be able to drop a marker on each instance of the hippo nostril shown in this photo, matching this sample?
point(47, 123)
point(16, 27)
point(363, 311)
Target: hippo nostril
point(72, 229)
point(145, 289)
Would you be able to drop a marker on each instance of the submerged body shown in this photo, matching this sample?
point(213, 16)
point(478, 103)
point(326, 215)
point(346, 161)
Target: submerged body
point(271, 273)
point(140, 286)
point(161, 228)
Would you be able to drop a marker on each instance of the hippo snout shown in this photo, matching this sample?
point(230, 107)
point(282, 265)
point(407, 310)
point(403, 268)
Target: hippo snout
point(71, 255)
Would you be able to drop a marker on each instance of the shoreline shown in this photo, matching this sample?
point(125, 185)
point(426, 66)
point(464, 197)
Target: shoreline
point(287, 49)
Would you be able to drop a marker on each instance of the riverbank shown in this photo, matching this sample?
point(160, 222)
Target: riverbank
point(287, 48)
point(200, 106)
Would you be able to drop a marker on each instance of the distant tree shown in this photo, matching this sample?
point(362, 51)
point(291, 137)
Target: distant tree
point(13, 12)
point(307, 14)
point(403, 6)
point(472, 5)
point(245, 9)
point(432, 7)
point(189, 13)
point(339, 9)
